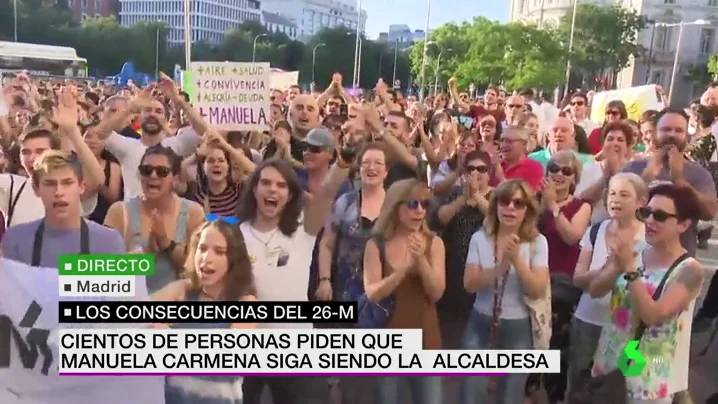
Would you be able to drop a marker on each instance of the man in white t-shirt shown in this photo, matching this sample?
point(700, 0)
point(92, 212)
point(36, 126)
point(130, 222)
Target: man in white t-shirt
point(280, 240)
point(153, 118)
point(17, 198)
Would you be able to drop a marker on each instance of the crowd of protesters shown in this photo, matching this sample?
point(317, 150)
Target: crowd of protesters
point(487, 223)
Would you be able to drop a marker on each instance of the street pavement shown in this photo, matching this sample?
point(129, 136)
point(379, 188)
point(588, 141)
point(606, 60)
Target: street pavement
point(703, 369)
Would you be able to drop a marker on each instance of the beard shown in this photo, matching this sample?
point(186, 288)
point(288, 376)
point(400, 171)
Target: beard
point(151, 126)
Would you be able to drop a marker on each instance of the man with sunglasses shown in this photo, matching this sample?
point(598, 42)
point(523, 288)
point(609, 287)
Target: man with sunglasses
point(580, 112)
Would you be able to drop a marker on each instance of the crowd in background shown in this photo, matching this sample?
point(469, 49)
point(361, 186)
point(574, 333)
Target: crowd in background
point(503, 222)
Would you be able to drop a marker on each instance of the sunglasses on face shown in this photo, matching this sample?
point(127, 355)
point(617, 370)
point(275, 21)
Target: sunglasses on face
point(613, 113)
point(487, 124)
point(146, 170)
point(517, 202)
point(482, 169)
point(314, 149)
point(659, 215)
point(555, 169)
point(514, 106)
point(414, 204)
point(213, 217)
point(577, 103)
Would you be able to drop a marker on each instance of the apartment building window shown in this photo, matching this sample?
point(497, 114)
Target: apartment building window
point(657, 78)
point(707, 35)
point(663, 38)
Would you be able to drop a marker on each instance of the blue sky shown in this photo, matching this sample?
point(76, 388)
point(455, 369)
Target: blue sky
point(382, 13)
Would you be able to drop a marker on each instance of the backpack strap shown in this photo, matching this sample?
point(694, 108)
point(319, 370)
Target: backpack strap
point(593, 233)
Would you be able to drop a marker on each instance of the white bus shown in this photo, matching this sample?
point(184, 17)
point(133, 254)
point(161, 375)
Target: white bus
point(41, 60)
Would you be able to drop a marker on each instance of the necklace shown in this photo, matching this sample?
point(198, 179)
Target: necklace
point(269, 240)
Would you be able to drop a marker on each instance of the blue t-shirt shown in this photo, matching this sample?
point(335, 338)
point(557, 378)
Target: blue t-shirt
point(17, 243)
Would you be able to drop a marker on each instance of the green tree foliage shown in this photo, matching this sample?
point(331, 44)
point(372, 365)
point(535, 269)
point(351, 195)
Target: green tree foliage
point(107, 45)
point(487, 52)
point(713, 65)
point(604, 37)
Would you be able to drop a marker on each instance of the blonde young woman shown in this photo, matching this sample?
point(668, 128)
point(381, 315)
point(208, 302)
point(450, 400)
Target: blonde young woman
point(507, 263)
point(413, 273)
point(626, 193)
point(633, 281)
point(218, 268)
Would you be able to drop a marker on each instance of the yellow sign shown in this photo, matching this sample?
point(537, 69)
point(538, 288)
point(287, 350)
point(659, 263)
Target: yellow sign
point(637, 100)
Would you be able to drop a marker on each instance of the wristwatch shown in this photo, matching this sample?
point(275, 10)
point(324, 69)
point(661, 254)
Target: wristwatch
point(631, 276)
point(170, 247)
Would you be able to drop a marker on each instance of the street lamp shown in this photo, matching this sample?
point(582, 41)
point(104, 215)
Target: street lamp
point(426, 48)
point(396, 51)
point(157, 51)
point(187, 35)
point(570, 46)
point(314, 58)
point(254, 46)
point(14, 18)
point(436, 74)
point(680, 26)
point(357, 47)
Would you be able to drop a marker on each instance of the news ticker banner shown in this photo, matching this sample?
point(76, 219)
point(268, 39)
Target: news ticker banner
point(311, 352)
point(123, 312)
point(102, 275)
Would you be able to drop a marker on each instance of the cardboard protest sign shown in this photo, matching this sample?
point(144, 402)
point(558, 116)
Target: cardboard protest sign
point(232, 96)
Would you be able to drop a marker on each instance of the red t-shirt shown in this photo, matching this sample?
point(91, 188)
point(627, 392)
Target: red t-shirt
point(595, 143)
point(528, 170)
point(479, 111)
point(562, 257)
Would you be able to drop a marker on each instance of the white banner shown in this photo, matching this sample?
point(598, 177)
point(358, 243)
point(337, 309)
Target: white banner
point(281, 80)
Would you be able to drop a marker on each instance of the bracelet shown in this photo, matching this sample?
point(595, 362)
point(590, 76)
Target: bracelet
point(325, 279)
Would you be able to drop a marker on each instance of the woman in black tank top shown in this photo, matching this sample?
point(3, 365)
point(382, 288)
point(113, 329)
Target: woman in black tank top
point(111, 191)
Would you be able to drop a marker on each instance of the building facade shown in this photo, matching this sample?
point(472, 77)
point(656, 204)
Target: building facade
point(402, 35)
point(84, 9)
point(210, 20)
point(310, 16)
point(697, 44)
point(278, 24)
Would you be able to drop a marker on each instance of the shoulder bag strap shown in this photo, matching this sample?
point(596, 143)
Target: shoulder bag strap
point(659, 290)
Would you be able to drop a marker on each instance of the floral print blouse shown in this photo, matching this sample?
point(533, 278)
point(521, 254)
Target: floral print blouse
point(658, 344)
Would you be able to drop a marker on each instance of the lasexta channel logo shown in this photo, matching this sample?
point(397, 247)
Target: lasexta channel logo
point(631, 362)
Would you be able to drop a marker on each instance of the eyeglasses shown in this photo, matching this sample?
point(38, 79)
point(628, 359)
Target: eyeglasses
point(613, 113)
point(213, 217)
point(146, 170)
point(517, 202)
point(488, 124)
point(555, 169)
point(659, 215)
point(482, 169)
point(514, 106)
point(577, 103)
point(414, 204)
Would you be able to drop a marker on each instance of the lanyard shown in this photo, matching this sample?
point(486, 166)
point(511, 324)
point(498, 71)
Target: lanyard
point(499, 287)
